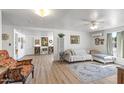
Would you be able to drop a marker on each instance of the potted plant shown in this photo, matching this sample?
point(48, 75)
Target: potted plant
point(61, 35)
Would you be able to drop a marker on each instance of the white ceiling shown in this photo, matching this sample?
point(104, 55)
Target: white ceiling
point(66, 19)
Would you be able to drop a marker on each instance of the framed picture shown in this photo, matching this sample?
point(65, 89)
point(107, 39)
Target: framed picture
point(102, 41)
point(5, 36)
point(75, 39)
point(44, 41)
point(97, 41)
point(37, 42)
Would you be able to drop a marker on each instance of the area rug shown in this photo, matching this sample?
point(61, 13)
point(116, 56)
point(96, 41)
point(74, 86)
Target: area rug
point(91, 71)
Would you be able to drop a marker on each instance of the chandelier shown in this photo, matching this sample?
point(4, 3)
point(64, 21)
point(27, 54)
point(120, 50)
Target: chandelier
point(42, 12)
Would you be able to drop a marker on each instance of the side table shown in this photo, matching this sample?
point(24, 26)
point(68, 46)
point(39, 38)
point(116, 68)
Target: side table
point(61, 55)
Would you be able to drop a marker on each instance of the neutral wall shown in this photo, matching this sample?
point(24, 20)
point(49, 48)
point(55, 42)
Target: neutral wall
point(5, 43)
point(9, 44)
point(29, 45)
point(30, 41)
point(0, 30)
point(84, 41)
point(103, 48)
point(30, 37)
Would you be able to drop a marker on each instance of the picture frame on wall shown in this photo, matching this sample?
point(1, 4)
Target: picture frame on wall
point(102, 41)
point(97, 41)
point(75, 39)
point(44, 41)
point(5, 36)
point(37, 42)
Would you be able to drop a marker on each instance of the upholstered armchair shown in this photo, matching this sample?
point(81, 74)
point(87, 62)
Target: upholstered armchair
point(18, 71)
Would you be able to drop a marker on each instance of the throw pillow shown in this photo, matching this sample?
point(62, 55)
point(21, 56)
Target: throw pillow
point(1, 57)
point(73, 52)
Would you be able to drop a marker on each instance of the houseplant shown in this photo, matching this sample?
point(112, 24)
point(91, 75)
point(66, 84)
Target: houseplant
point(61, 35)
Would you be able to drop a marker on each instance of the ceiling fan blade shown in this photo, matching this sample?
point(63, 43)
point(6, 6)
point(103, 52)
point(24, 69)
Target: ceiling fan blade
point(100, 20)
point(85, 20)
point(86, 23)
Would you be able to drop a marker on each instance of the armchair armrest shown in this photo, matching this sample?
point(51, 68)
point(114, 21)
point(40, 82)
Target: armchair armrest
point(24, 62)
point(67, 55)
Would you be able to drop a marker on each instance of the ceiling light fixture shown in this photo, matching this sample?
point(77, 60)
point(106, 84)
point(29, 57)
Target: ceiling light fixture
point(42, 12)
point(93, 26)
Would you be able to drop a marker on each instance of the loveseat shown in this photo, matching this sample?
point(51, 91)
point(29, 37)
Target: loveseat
point(18, 71)
point(75, 55)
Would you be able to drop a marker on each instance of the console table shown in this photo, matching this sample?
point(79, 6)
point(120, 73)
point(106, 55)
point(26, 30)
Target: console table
point(3, 71)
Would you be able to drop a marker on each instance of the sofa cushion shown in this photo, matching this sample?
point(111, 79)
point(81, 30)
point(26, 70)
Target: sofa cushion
point(76, 58)
point(73, 52)
point(70, 52)
point(80, 52)
point(10, 62)
point(3, 54)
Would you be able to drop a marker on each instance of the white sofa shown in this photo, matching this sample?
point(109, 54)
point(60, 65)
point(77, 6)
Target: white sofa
point(75, 55)
point(103, 58)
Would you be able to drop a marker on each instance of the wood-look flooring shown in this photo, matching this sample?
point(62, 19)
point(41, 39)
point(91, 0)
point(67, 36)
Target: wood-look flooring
point(49, 72)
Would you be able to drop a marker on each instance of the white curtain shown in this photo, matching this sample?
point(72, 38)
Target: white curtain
point(109, 44)
point(122, 48)
point(120, 44)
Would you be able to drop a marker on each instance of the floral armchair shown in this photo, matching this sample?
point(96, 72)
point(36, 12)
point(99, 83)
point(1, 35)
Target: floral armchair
point(18, 71)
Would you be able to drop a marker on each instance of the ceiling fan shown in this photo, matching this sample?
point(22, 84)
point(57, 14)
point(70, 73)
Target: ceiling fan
point(93, 24)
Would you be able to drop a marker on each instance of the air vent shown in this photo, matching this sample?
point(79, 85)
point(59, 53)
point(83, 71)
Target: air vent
point(97, 35)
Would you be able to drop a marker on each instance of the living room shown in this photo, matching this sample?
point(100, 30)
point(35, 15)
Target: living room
point(88, 44)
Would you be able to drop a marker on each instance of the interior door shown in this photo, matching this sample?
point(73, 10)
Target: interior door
point(29, 46)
